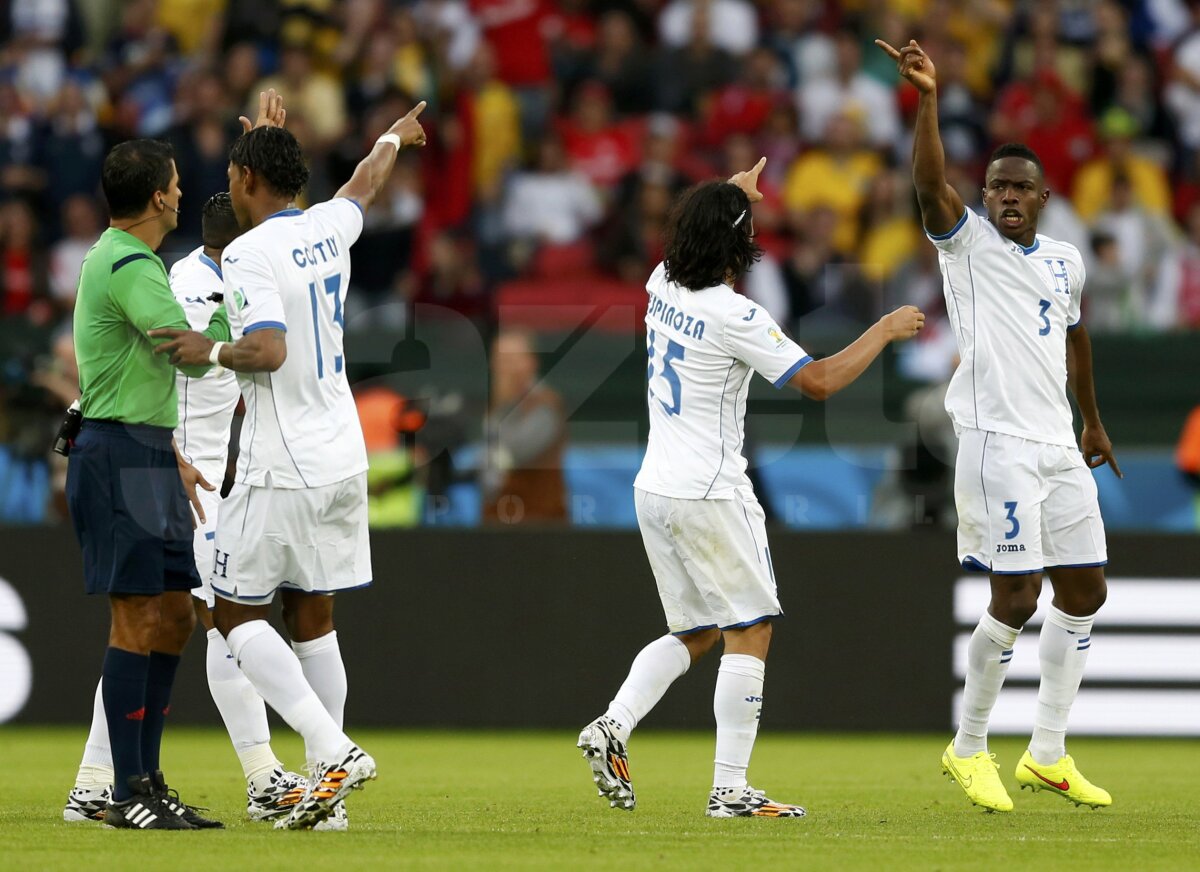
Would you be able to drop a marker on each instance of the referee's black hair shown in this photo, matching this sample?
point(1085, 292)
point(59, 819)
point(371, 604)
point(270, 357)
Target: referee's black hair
point(133, 173)
point(274, 155)
point(709, 236)
point(1018, 149)
point(218, 223)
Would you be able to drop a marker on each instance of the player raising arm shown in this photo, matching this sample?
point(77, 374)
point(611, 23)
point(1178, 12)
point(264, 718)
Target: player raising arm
point(296, 518)
point(1025, 497)
point(701, 524)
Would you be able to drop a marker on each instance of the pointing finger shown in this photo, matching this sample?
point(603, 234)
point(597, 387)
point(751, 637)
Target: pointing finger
point(891, 52)
point(416, 110)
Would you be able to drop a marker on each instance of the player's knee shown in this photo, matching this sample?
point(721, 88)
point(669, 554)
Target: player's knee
point(176, 624)
point(1085, 601)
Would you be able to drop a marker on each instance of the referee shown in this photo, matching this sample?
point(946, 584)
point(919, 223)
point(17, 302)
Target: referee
point(127, 486)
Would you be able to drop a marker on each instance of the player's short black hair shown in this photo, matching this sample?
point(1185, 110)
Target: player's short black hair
point(133, 172)
point(709, 236)
point(274, 155)
point(218, 224)
point(1017, 149)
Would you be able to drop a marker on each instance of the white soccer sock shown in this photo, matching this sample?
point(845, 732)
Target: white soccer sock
point(737, 705)
point(96, 768)
point(654, 670)
point(276, 674)
point(241, 708)
point(1063, 651)
point(321, 660)
point(988, 656)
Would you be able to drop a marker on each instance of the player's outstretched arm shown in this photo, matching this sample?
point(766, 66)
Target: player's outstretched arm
point(823, 378)
point(372, 172)
point(261, 351)
point(941, 206)
point(1093, 442)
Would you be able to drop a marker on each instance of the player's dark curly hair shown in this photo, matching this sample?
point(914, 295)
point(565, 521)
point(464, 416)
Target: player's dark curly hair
point(133, 173)
point(1017, 149)
point(705, 238)
point(218, 224)
point(274, 155)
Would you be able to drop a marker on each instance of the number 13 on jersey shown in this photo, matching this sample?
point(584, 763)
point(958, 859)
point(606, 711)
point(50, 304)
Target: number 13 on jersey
point(332, 288)
point(674, 351)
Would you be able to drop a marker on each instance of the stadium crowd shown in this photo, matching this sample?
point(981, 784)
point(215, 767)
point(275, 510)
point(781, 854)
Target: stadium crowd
point(559, 133)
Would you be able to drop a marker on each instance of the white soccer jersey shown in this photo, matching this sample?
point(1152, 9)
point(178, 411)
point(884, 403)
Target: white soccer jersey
point(1011, 308)
point(291, 273)
point(206, 404)
point(702, 347)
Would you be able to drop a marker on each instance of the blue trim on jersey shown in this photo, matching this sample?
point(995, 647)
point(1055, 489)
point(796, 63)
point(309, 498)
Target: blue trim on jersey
point(237, 596)
point(942, 237)
point(210, 535)
point(744, 624)
point(211, 264)
point(1031, 249)
point(694, 630)
point(1077, 565)
point(792, 370)
point(970, 564)
point(1018, 571)
point(285, 213)
point(265, 325)
point(128, 259)
point(356, 203)
point(289, 586)
point(1075, 326)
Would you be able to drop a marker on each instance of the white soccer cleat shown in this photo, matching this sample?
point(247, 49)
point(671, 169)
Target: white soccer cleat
point(337, 821)
point(609, 762)
point(748, 802)
point(279, 796)
point(331, 783)
point(87, 803)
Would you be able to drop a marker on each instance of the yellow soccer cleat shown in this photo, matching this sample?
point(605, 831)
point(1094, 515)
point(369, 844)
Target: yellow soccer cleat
point(979, 777)
point(1061, 778)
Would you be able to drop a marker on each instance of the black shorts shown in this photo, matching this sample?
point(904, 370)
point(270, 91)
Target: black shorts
point(130, 511)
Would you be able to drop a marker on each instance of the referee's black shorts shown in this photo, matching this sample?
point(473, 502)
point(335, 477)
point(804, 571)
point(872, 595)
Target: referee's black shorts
point(130, 511)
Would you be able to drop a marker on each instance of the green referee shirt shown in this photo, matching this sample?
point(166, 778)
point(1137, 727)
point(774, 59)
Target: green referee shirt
point(123, 294)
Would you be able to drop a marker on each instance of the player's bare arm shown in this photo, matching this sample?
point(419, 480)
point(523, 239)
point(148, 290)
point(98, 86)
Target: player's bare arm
point(822, 379)
point(1093, 441)
point(941, 206)
point(260, 351)
point(372, 172)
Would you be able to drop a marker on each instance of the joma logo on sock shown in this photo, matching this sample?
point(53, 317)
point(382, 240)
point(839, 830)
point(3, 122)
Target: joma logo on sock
point(754, 699)
point(1002, 549)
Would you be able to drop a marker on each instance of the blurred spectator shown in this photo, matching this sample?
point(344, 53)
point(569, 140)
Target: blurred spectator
point(311, 96)
point(72, 144)
point(1050, 118)
point(550, 203)
point(962, 119)
point(525, 434)
point(1182, 94)
point(743, 106)
point(18, 142)
point(1095, 180)
point(139, 71)
point(453, 279)
point(633, 244)
point(794, 34)
point(1136, 92)
point(888, 235)
point(623, 64)
point(688, 72)
point(1114, 44)
point(23, 268)
point(453, 31)
point(41, 36)
point(82, 225)
point(730, 25)
point(519, 32)
point(1176, 301)
point(847, 89)
point(597, 144)
point(1036, 46)
point(393, 497)
point(488, 108)
point(834, 176)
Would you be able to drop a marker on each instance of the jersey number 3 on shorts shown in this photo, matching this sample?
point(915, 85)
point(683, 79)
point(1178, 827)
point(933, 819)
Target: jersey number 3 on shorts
point(1011, 517)
point(675, 351)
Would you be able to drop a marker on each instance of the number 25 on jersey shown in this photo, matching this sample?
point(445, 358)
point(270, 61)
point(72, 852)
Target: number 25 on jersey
point(674, 351)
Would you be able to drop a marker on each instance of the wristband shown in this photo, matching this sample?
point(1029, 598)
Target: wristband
point(391, 138)
point(214, 356)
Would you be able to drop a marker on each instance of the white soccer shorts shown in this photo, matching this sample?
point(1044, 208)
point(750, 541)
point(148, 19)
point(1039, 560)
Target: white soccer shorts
point(204, 534)
point(1025, 506)
point(309, 539)
point(710, 560)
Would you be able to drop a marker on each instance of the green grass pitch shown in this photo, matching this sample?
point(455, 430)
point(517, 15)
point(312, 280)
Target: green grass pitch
point(458, 800)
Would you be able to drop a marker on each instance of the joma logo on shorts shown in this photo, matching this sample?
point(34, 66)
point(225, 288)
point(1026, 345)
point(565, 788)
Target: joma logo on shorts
point(1003, 549)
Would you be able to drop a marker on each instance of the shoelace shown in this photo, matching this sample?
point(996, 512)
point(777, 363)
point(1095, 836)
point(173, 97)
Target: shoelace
point(172, 795)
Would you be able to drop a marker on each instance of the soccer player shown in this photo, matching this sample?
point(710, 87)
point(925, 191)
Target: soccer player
point(1026, 498)
point(702, 527)
point(206, 409)
point(128, 487)
point(296, 518)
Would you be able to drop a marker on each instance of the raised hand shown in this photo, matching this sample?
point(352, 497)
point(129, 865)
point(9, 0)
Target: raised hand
point(409, 129)
point(270, 112)
point(905, 323)
point(748, 180)
point(913, 64)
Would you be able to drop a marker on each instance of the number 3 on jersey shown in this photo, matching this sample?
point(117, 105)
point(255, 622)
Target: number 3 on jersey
point(674, 352)
point(333, 287)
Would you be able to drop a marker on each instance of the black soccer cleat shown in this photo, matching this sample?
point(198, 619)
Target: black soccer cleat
point(142, 811)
